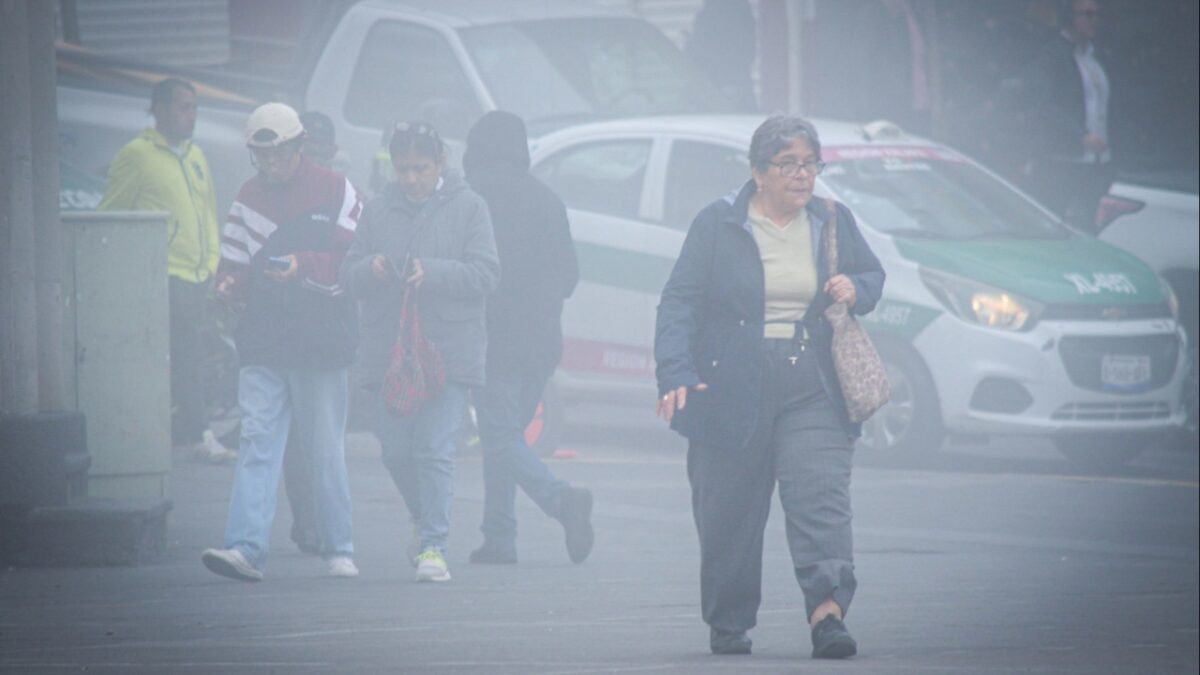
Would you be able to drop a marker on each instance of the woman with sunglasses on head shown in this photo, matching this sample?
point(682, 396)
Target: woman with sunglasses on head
point(428, 235)
point(745, 372)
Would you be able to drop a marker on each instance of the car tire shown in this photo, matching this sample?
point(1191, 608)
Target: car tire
point(1103, 451)
point(911, 422)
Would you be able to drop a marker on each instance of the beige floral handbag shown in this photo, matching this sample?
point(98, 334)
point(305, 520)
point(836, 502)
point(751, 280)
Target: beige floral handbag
point(859, 368)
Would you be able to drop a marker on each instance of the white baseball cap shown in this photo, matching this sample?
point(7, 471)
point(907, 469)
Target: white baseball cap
point(272, 124)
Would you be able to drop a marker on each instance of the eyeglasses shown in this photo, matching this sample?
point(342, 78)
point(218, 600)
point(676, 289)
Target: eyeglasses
point(792, 169)
point(277, 154)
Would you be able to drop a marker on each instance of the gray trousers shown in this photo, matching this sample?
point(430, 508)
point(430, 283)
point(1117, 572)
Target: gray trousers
point(799, 444)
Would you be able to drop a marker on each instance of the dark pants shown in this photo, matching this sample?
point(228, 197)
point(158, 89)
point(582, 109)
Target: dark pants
point(799, 444)
point(504, 408)
point(1072, 190)
point(187, 314)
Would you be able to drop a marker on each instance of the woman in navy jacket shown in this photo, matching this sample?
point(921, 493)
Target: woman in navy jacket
point(745, 372)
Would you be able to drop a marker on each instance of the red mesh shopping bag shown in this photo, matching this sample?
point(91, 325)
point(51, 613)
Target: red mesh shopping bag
point(416, 374)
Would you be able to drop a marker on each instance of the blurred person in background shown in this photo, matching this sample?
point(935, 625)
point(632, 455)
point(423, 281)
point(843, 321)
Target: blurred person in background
point(320, 142)
point(893, 65)
point(430, 234)
point(724, 43)
point(1069, 102)
point(745, 372)
point(163, 170)
point(524, 330)
point(283, 244)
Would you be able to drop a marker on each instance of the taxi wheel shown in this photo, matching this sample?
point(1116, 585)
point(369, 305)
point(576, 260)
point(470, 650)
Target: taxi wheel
point(1103, 451)
point(911, 422)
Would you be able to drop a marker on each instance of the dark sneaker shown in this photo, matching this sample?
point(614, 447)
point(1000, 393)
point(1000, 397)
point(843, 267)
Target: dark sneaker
point(724, 642)
point(575, 514)
point(493, 555)
point(831, 640)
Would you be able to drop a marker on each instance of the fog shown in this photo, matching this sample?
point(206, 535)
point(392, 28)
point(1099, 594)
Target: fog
point(1028, 499)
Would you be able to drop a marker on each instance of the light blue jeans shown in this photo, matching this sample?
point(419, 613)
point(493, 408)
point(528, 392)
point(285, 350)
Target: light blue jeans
point(418, 450)
point(504, 407)
point(271, 398)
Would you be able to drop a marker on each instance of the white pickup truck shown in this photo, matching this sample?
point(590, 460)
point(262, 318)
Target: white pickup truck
point(442, 61)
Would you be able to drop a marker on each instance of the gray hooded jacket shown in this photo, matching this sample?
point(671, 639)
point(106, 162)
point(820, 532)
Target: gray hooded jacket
point(451, 234)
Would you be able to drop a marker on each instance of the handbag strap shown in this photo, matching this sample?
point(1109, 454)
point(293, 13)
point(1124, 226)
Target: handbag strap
point(409, 329)
point(831, 249)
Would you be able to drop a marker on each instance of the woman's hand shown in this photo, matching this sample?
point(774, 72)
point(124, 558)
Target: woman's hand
point(417, 276)
point(675, 400)
point(282, 276)
point(380, 269)
point(841, 289)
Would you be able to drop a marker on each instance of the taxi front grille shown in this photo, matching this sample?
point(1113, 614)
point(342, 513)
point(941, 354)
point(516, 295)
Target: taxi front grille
point(1143, 310)
point(1083, 355)
point(1112, 412)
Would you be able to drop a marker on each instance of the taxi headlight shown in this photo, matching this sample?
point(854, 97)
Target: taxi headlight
point(999, 310)
point(981, 304)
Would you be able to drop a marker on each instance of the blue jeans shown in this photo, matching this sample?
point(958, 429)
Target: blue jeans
point(418, 450)
point(503, 409)
point(271, 398)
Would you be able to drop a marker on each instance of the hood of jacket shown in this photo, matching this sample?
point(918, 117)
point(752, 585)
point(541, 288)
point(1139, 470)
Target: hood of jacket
point(497, 142)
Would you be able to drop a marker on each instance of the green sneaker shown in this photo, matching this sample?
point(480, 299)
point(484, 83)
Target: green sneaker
point(431, 566)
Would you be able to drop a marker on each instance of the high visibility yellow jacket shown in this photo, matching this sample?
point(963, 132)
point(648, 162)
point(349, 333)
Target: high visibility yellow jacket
point(147, 175)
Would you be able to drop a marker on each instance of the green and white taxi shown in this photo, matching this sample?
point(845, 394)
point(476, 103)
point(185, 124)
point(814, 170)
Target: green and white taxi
point(996, 318)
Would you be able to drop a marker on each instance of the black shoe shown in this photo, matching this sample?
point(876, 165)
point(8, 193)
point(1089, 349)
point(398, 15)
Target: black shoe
point(831, 640)
point(575, 514)
point(492, 555)
point(722, 642)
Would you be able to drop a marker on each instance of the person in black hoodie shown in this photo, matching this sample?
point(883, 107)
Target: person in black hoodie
point(533, 239)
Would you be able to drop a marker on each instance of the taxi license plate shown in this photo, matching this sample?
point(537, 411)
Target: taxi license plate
point(1124, 371)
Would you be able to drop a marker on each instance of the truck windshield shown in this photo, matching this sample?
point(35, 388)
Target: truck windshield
point(558, 72)
point(925, 192)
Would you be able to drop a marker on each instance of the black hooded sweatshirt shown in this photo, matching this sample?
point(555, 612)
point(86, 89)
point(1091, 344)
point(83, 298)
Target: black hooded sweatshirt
point(533, 239)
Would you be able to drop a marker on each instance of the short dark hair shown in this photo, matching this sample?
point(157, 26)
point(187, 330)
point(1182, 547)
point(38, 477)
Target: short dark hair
point(776, 134)
point(417, 137)
point(163, 91)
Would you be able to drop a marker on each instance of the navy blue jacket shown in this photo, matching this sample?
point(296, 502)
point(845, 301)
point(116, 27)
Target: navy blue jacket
point(710, 319)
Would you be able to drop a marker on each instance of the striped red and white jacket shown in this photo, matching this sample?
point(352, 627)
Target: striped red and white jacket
point(309, 321)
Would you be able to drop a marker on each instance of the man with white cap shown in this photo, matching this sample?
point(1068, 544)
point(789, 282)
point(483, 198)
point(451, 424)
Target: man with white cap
point(283, 243)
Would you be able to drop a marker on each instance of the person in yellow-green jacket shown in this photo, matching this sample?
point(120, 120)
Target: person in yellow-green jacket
point(162, 170)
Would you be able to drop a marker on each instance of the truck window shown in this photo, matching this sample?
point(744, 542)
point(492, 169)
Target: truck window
point(698, 174)
point(408, 72)
point(591, 68)
point(605, 177)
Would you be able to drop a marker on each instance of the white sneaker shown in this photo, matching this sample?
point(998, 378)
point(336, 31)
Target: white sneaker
point(342, 566)
point(431, 566)
point(229, 562)
point(210, 449)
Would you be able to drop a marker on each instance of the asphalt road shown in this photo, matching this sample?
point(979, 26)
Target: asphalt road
point(999, 558)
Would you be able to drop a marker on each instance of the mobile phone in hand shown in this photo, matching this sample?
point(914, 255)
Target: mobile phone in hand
point(279, 262)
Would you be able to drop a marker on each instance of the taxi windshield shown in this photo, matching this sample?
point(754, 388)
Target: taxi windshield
point(930, 193)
